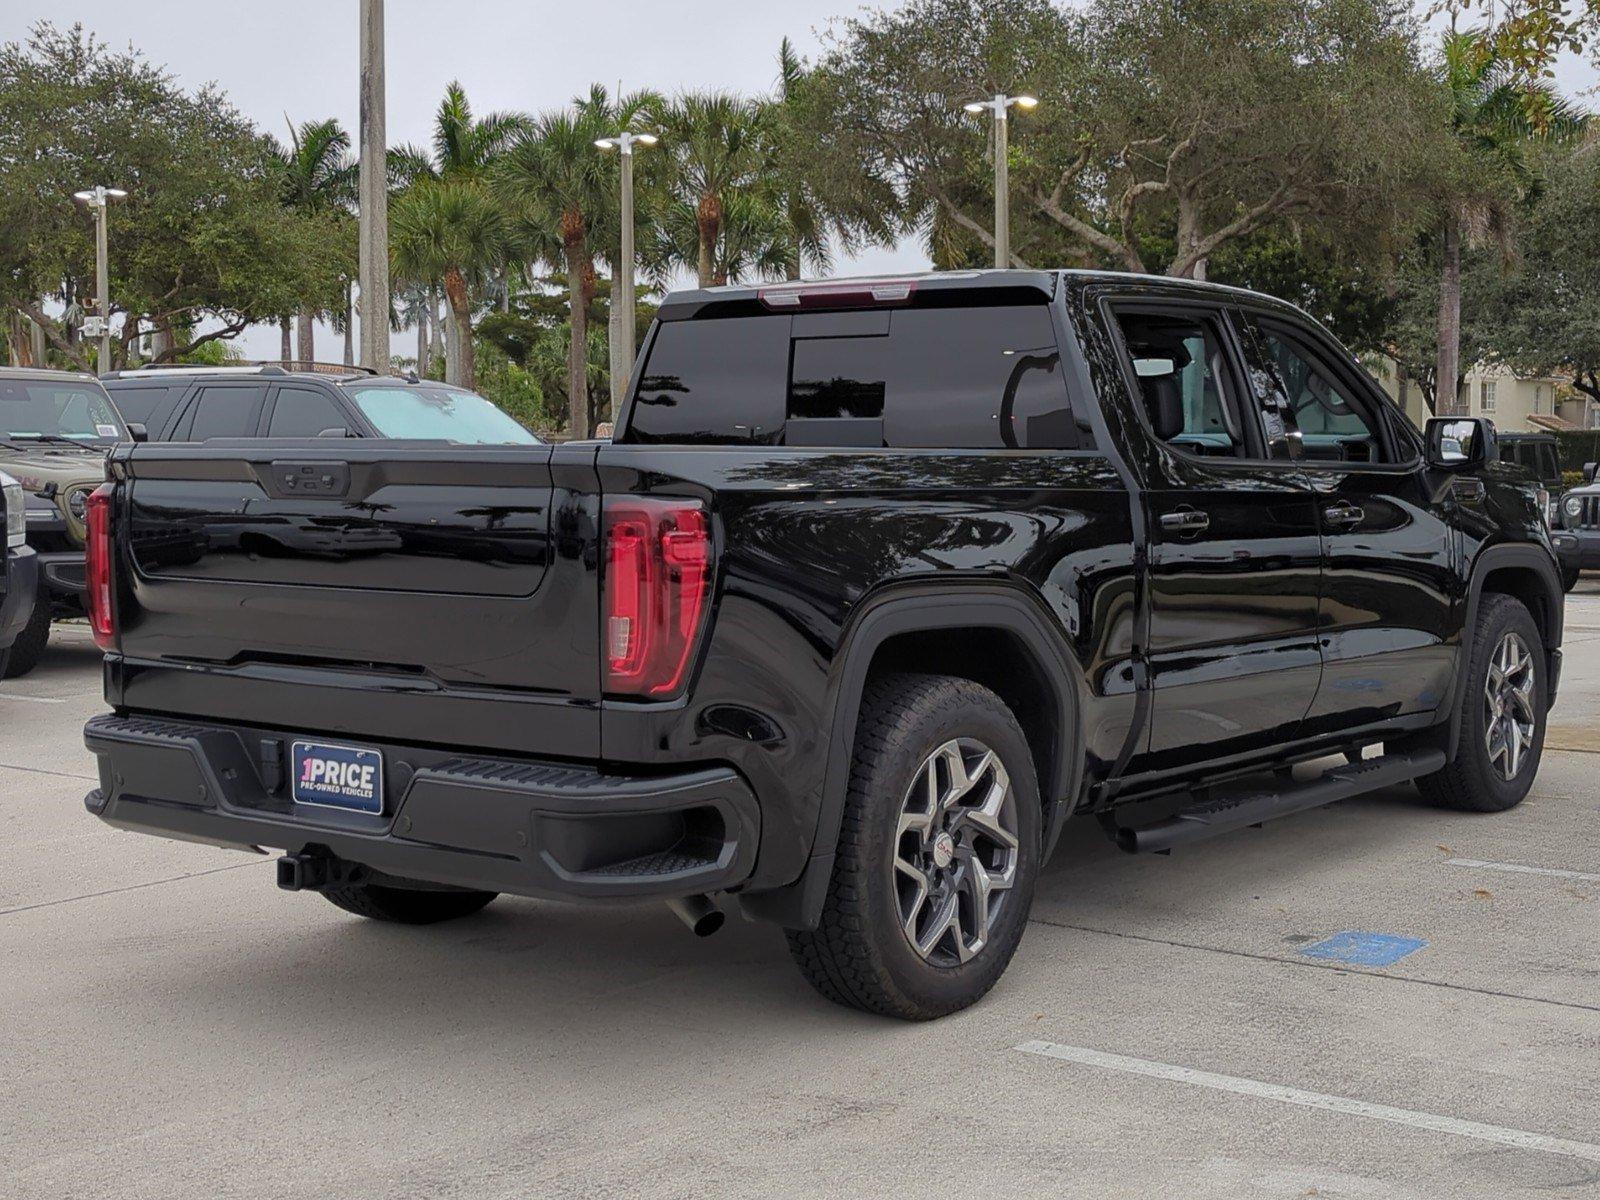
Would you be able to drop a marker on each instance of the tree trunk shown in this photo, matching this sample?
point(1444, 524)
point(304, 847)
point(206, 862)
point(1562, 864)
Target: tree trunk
point(1446, 384)
point(708, 220)
point(422, 340)
point(437, 351)
point(161, 340)
point(455, 290)
point(19, 347)
point(286, 347)
point(349, 327)
point(305, 336)
point(577, 344)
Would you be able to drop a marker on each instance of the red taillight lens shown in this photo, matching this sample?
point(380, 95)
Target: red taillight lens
point(98, 559)
point(658, 579)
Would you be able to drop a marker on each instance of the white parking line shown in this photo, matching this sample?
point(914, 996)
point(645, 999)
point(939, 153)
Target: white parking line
point(1519, 1138)
point(1519, 869)
point(30, 699)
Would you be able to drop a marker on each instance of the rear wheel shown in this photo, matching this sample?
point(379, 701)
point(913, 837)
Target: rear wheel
point(1502, 715)
point(406, 906)
point(1569, 578)
point(937, 856)
point(28, 649)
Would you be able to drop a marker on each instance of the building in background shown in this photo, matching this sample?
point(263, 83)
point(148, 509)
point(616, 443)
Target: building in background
point(1512, 402)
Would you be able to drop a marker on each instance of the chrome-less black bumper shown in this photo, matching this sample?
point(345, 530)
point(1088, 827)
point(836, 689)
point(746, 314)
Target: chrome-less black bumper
point(529, 828)
point(19, 574)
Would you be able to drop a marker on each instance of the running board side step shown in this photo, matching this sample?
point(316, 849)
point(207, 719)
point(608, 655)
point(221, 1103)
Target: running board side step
point(1221, 814)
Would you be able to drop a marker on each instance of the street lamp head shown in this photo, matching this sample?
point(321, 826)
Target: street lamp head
point(646, 139)
point(606, 143)
point(116, 194)
point(84, 197)
point(1026, 102)
point(976, 107)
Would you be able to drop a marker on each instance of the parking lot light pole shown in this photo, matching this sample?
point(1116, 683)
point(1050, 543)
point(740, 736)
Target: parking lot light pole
point(1000, 106)
point(622, 309)
point(99, 199)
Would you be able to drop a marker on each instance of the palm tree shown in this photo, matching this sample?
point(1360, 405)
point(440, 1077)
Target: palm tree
point(716, 144)
point(318, 176)
point(563, 190)
point(1494, 117)
point(467, 146)
point(450, 230)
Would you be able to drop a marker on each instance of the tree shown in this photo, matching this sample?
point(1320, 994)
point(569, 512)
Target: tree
point(1490, 118)
point(202, 238)
point(1166, 130)
point(716, 144)
point(318, 178)
point(1543, 316)
point(560, 191)
point(450, 230)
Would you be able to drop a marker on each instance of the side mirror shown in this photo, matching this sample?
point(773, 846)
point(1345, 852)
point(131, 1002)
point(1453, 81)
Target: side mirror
point(1460, 443)
point(1588, 472)
point(338, 431)
point(138, 432)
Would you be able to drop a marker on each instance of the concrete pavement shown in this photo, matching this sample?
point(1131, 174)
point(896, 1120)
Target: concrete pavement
point(175, 1026)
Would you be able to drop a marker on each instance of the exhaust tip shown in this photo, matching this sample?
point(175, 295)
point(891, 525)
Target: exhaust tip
point(697, 912)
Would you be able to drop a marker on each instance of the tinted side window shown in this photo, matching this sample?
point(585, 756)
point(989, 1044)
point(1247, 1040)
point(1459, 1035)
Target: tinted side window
point(1184, 384)
point(1549, 470)
point(717, 380)
point(221, 412)
point(146, 406)
point(1335, 424)
point(301, 412)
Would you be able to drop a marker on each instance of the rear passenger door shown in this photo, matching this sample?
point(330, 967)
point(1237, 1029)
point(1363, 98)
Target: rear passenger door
point(1235, 555)
point(304, 412)
point(222, 410)
point(1386, 608)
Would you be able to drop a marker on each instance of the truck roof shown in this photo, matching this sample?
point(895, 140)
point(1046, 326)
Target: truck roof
point(888, 290)
point(46, 373)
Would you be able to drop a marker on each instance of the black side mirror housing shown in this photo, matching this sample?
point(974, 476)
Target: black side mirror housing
point(138, 432)
point(1588, 472)
point(1460, 443)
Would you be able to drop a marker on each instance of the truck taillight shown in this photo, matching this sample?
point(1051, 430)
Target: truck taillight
point(97, 561)
point(657, 587)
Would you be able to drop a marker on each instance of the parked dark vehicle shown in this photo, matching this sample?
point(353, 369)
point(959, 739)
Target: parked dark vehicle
point(1577, 534)
point(300, 400)
point(879, 582)
point(1540, 455)
point(55, 429)
point(19, 567)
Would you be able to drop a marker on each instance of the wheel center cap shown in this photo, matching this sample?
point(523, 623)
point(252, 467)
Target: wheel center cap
point(944, 850)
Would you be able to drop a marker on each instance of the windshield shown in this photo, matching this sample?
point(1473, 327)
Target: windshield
point(50, 411)
point(438, 414)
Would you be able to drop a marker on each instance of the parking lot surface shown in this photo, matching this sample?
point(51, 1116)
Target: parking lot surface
point(1189, 1026)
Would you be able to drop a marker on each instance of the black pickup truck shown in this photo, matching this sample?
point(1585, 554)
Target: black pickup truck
point(879, 582)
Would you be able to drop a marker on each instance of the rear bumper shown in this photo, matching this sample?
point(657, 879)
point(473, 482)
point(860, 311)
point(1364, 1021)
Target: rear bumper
point(20, 572)
point(529, 828)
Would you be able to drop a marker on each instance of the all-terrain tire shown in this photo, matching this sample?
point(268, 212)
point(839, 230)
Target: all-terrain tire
point(1472, 781)
point(406, 906)
point(28, 649)
point(859, 955)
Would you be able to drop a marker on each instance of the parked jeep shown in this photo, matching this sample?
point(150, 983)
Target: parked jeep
point(19, 568)
point(1577, 533)
point(878, 583)
point(55, 428)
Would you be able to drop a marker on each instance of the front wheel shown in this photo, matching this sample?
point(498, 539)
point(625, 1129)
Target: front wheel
point(937, 857)
point(1502, 714)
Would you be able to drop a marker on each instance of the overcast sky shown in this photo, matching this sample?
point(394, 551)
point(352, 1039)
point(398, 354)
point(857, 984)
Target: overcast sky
point(299, 57)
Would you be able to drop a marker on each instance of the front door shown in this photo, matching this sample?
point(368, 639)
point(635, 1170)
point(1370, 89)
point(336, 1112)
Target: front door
point(1235, 554)
point(1386, 608)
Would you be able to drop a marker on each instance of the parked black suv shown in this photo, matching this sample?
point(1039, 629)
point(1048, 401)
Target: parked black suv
point(19, 568)
point(298, 400)
point(879, 582)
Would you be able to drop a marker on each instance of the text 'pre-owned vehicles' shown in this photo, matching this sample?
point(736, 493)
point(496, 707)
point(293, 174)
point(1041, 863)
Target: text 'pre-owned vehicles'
point(55, 429)
point(879, 582)
point(301, 400)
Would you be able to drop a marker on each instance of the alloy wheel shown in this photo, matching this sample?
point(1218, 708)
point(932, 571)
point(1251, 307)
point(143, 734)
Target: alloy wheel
point(1509, 718)
point(956, 849)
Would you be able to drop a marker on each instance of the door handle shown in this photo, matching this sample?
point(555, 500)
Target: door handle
point(1185, 520)
point(1344, 515)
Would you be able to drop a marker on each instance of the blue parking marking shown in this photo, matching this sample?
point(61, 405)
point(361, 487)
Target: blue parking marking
point(1364, 949)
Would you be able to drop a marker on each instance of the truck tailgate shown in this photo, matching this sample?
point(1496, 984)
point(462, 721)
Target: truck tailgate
point(444, 594)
